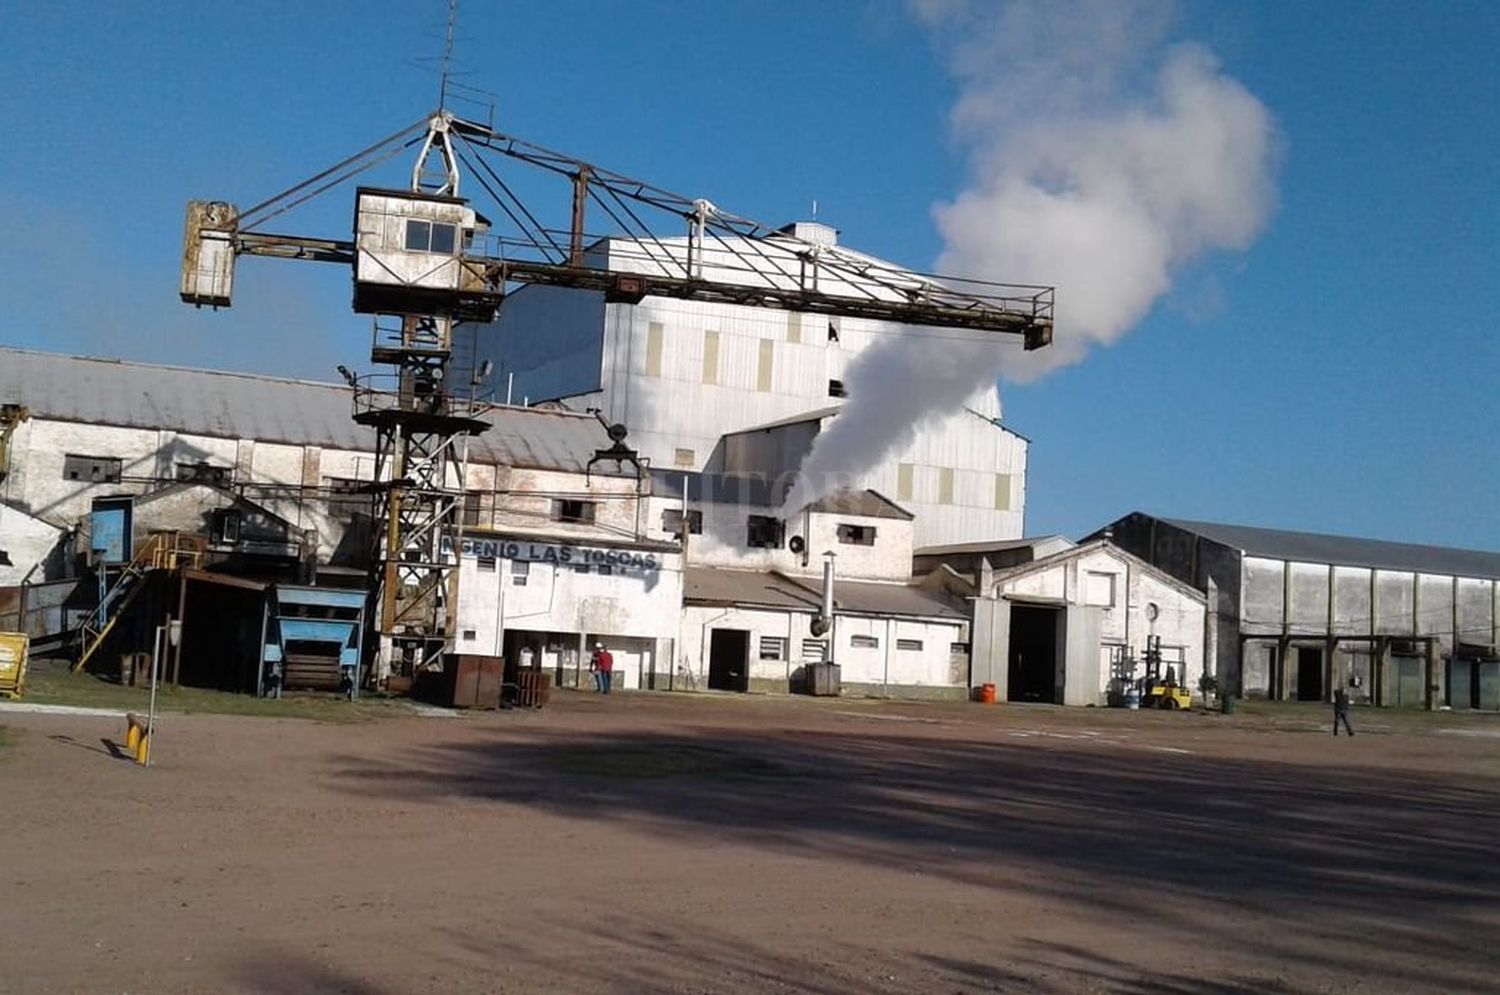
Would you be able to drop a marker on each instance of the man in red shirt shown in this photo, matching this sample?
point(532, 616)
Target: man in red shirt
point(603, 668)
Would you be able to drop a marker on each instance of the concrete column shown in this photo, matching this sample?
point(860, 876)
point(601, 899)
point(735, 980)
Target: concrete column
point(1382, 672)
point(989, 645)
point(312, 463)
point(1211, 634)
point(1284, 646)
point(1495, 613)
point(1456, 617)
point(666, 649)
point(1331, 645)
point(1416, 604)
point(583, 654)
point(1434, 679)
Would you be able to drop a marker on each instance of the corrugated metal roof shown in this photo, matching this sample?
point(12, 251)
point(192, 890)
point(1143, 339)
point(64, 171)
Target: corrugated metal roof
point(987, 545)
point(820, 414)
point(754, 490)
point(797, 419)
point(1313, 547)
point(746, 587)
point(866, 504)
point(750, 587)
point(269, 409)
point(873, 598)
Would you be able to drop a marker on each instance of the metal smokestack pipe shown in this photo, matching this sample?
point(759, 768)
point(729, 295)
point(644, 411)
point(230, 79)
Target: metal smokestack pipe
point(828, 586)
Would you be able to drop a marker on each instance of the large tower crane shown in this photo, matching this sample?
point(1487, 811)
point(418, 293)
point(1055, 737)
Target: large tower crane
point(423, 258)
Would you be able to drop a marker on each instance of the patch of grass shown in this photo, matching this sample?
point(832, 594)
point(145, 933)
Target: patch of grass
point(85, 690)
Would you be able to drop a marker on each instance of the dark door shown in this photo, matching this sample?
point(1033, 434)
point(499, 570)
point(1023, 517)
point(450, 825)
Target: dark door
point(1033, 653)
point(1309, 674)
point(729, 660)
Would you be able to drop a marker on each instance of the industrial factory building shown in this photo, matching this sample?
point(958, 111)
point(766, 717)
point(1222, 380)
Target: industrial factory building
point(694, 580)
point(266, 482)
point(1299, 614)
point(691, 377)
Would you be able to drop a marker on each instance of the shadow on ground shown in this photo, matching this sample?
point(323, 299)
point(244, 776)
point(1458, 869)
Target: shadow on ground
point(1333, 870)
point(641, 959)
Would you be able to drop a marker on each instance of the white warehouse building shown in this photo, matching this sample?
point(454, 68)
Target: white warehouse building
point(684, 375)
point(693, 580)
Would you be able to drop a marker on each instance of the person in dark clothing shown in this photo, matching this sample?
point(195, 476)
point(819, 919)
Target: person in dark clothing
point(1341, 711)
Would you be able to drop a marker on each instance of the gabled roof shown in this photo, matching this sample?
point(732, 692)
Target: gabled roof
point(1314, 547)
point(711, 585)
point(757, 491)
point(806, 416)
point(267, 409)
point(866, 504)
point(1083, 549)
point(987, 545)
point(819, 414)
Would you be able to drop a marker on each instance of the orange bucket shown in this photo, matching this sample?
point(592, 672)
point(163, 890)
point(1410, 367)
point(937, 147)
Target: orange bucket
point(987, 693)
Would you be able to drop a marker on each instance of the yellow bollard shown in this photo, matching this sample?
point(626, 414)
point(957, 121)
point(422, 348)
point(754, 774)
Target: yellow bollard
point(137, 737)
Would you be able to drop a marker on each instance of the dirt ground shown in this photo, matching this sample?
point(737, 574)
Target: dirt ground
point(738, 844)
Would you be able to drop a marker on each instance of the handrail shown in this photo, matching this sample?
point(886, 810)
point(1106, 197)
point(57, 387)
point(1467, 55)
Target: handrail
point(161, 551)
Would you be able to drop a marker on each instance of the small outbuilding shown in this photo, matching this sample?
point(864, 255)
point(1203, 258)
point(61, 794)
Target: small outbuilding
point(1074, 627)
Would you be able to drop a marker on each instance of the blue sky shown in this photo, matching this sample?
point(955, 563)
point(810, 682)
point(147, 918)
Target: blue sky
point(1338, 375)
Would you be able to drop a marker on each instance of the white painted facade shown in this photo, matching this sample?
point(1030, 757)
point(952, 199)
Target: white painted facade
point(910, 655)
point(553, 596)
point(287, 480)
point(1295, 607)
point(1107, 605)
point(681, 375)
point(722, 543)
point(1299, 615)
point(961, 476)
point(1126, 594)
point(27, 543)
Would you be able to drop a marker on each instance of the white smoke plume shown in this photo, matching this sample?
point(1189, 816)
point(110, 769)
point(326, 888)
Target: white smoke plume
point(1103, 160)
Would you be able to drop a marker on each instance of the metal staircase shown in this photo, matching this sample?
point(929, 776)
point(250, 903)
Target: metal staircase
point(162, 551)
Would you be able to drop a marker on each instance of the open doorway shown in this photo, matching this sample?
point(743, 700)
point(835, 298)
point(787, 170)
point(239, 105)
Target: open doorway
point(1034, 653)
point(729, 660)
point(1309, 674)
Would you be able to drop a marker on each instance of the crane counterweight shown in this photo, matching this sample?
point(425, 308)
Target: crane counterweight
point(208, 253)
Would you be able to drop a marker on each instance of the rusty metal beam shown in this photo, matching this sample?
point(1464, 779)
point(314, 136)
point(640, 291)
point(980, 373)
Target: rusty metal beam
point(580, 201)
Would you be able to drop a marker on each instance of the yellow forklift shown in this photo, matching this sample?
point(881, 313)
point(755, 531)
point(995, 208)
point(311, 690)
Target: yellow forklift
point(1158, 691)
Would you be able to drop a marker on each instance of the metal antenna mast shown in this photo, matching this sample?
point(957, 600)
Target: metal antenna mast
point(447, 56)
